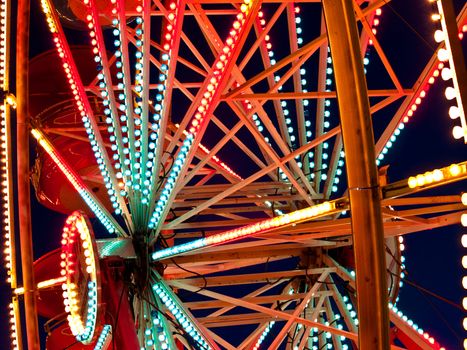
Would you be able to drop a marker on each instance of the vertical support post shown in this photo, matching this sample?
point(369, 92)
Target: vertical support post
point(24, 201)
point(118, 304)
point(357, 132)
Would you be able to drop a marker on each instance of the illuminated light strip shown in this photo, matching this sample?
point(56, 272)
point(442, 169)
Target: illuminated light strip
point(423, 335)
point(83, 106)
point(124, 83)
point(349, 306)
point(184, 318)
point(215, 158)
point(8, 102)
point(44, 284)
point(414, 104)
point(308, 125)
point(215, 79)
point(161, 104)
point(249, 230)
point(161, 332)
point(263, 335)
point(140, 120)
point(396, 312)
point(7, 194)
point(4, 47)
point(101, 213)
point(144, 104)
point(105, 84)
point(326, 115)
point(14, 324)
point(438, 175)
point(452, 92)
point(104, 338)
point(409, 112)
point(247, 105)
point(283, 103)
point(328, 335)
point(464, 263)
point(400, 240)
point(76, 232)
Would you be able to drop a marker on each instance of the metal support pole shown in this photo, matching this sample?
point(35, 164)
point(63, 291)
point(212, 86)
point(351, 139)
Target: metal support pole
point(118, 304)
point(24, 203)
point(357, 132)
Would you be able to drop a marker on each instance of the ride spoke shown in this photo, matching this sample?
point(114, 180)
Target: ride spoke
point(166, 82)
point(183, 316)
point(88, 196)
point(205, 103)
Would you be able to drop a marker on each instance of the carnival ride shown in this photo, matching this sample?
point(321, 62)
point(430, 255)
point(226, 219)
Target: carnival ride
point(203, 140)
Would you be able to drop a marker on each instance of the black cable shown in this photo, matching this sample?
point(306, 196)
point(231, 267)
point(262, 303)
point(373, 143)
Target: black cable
point(181, 332)
point(397, 261)
point(441, 316)
point(72, 344)
point(205, 281)
point(424, 290)
point(410, 26)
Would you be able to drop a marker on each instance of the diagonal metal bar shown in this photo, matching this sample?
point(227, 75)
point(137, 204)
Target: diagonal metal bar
point(252, 178)
point(88, 196)
point(280, 336)
point(275, 313)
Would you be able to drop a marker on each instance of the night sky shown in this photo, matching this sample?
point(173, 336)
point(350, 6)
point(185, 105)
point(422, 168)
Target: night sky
point(433, 259)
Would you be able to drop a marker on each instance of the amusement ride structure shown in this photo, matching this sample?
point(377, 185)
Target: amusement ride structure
point(217, 164)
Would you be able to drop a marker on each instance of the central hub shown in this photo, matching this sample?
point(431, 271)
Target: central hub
point(140, 244)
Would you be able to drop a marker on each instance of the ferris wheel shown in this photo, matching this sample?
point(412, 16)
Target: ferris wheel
point(203, 153)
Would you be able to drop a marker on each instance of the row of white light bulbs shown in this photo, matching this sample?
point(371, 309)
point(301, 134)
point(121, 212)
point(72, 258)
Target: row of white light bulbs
point(449, 73)
point(183, 319)
point(156, 333)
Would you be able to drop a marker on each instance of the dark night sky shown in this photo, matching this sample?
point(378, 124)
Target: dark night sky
point(433, 259)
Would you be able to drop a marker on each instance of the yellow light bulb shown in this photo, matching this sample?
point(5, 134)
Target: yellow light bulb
point(455, 170)
point(412, 182)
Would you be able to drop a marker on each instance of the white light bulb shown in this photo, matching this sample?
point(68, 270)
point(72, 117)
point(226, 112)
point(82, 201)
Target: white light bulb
point(450, 93)
point(446, 73)
point(454, 112)
point(439, 36)
point(443, 55)
point(458, 132)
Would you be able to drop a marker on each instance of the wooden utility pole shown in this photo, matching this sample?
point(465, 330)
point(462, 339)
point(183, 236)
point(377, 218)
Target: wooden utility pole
point(24, 199)
point(357, 132)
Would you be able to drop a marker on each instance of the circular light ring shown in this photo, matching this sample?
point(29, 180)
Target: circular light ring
point(80, 266)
